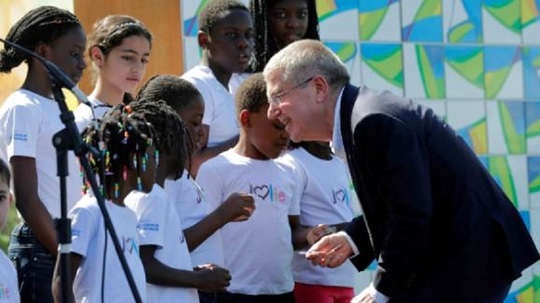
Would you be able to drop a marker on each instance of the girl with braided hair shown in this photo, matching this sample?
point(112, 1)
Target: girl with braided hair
point(29, 118)
point(127, 162)
point(201, 223)
point(119, 48)
point(280, 22)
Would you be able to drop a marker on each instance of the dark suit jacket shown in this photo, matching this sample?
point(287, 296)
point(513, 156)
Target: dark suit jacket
point(433, 216)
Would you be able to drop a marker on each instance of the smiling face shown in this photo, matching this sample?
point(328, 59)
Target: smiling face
point(67, 52)
point(230, 42)
point(123, 68)
point(288, 21)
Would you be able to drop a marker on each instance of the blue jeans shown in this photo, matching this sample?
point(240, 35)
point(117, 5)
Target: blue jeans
point(34, 264)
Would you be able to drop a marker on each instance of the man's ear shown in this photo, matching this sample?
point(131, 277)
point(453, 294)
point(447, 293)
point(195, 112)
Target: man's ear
point(97, 56)
point(322, 88)
point(245, 118)
point(202, 39)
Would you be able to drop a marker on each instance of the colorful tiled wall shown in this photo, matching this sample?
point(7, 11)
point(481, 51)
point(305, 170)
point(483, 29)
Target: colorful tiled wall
point(475, 62)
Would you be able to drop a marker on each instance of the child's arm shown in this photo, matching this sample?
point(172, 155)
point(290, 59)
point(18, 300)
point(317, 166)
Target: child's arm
point(303, 236)
point(57, 278)
point(209, 278)
point(29, 204)
point(237, 207)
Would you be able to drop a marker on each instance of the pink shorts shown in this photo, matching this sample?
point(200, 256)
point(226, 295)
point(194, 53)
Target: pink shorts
point(307, 293)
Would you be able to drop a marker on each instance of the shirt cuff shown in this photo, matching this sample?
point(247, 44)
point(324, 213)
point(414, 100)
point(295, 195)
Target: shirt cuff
point(351, 243)
point(379, 297)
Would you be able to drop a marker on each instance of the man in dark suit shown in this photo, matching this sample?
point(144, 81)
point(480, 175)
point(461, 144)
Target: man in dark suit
point(439, 227)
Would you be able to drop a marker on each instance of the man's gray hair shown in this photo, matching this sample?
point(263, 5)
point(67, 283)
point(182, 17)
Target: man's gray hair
point(306, 58)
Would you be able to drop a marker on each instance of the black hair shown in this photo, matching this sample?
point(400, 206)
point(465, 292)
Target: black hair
point(213, 13)
point(251, 94)
point(121, 135)
point(5, 173)
point(175, 91)
point(42, 25)
point(171, 132)
point(109, 32)
point(265, 43)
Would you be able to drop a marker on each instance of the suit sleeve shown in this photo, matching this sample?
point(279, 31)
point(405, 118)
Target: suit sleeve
point(397, 163)
point(358, 232)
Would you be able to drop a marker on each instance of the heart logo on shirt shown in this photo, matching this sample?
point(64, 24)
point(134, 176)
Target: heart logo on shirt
point(339, 196)
point(261, 191)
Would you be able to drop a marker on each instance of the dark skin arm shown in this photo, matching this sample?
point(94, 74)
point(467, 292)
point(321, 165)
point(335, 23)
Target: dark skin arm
point(237, 207)
point(29, 204)
point(207, 277)
point(206, 152)
point(76, 260)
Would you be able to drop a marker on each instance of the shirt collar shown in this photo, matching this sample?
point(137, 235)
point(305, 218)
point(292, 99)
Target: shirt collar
point(337, 140)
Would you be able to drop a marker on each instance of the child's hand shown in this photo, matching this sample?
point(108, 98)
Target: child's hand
point(212, 278)
point(319, 231)
point(237, 207)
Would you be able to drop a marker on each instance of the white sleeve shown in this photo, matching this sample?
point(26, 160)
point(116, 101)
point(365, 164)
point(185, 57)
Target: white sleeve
point(151, 215)
point(83, 229)
point(211, 183)
point(21, 131)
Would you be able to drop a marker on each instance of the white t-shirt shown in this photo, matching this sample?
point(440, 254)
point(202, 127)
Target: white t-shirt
point(235, 82)
point(192, 206)
point(9, 288)
point(28, 123)
point(258, 252)
point(219, 107)
point(159, 225)
point(88, 240)
point(84, 114)
point(326, 199)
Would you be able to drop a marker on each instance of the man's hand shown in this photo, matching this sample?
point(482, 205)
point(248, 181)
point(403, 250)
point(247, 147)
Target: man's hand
point(330, 251)
point(364, 297)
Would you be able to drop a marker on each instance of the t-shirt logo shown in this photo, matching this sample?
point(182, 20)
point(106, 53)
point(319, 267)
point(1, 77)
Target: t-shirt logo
point(340, 196)
point(129, 245)
point(5, 292)
point(268, 192)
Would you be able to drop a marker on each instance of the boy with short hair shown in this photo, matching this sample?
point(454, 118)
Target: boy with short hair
point(9, 291)
point(258, 252)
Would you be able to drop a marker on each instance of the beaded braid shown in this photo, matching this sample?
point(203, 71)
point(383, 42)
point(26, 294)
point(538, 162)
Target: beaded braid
point(44, 25)
point(172, 136)
point(121, 136)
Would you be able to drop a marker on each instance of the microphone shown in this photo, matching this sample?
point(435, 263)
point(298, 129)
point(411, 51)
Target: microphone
point(54, 71)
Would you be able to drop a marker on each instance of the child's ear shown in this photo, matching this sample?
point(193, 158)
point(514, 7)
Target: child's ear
point(202, 39)
point(41, 49)
point(97, 56)
point(245, 118)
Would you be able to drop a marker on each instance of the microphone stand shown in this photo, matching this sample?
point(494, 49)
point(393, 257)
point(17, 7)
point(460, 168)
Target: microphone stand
point(65, 140)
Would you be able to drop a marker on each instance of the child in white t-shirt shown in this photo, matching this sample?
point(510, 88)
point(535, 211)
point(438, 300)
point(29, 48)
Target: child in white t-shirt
point(164, 249)
point(29, 118)
point(259, 251)
point(9, 291)
point(327, 199)
point(200, 224)
point(119, 48)
point(127, 144)
point(226, 39)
